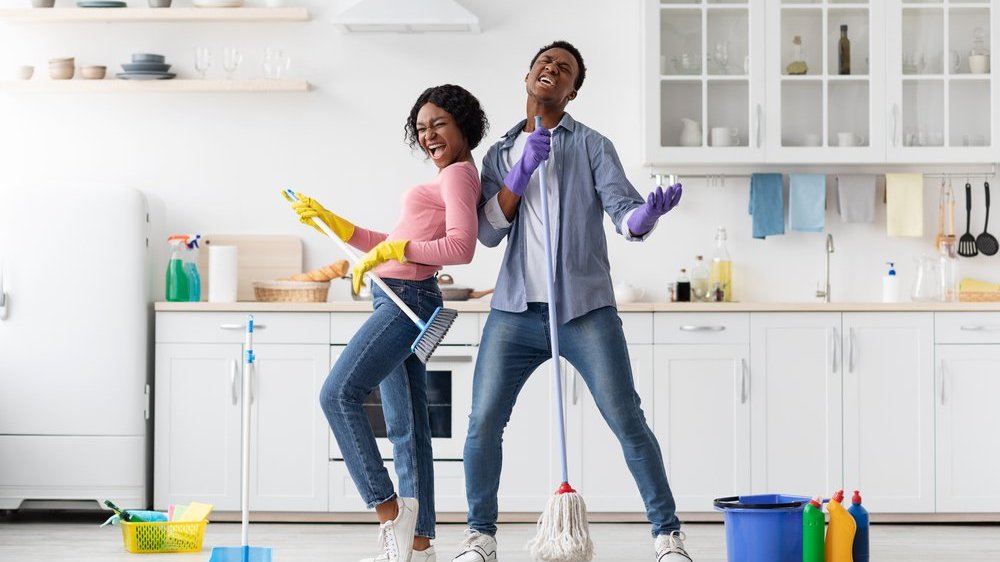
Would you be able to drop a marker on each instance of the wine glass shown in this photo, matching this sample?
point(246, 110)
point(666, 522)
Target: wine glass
point(231, 59)
point(722, 56)
point(202, 60)
point(275, 63)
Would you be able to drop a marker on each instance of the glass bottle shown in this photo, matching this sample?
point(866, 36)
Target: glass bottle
point(844, 52)
point(722, 265)
point(683, 287)
point(798, 64)
point(699, 280)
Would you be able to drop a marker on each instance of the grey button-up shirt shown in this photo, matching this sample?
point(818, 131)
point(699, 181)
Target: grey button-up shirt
point(590, 180)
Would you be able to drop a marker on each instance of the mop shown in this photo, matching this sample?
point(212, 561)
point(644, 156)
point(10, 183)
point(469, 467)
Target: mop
point(431, 332)
point(244, 553)
point(563, 533)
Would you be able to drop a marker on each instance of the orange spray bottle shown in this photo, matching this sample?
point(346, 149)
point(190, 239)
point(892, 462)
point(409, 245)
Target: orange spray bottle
point(840, 534)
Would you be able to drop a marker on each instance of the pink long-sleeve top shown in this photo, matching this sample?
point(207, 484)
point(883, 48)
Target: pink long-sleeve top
point(439, 219)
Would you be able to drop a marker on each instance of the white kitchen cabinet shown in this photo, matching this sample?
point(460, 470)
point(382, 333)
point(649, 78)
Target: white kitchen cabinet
point(888, 375)
point(449, 488)
point(968, 445)
point(796, 392)
point(702, 420)
point(597, 465)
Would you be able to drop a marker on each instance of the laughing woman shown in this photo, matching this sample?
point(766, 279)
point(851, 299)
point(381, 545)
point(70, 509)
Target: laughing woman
point(437, 226)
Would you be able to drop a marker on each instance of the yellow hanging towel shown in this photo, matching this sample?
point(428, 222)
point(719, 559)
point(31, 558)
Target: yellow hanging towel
point(904, 195)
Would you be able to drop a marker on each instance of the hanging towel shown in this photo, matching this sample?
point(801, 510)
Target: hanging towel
point(767, 205)
point(807, 202)
point(904, 195)
point(856, 197)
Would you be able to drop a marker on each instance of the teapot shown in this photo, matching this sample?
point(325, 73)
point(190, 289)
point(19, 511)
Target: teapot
point(625, 293)
point(691, 133)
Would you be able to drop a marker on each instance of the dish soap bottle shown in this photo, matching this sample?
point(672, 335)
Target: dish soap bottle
point(722, 265)
point(683, 287)
point(890, 284)
point(191, 269)
point(177, 280)
point(813, 525)
point(699, 280)
point(840, 535)
point(860, 515)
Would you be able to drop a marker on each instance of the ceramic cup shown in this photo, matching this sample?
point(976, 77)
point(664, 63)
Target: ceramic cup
point(979, 64)
point(723, 136)
point(25, 72)
point(849, 139)
point(810, 139)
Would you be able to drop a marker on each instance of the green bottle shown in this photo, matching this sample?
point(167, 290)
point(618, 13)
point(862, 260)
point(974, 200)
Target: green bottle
point(813, 524)
point(177, 278)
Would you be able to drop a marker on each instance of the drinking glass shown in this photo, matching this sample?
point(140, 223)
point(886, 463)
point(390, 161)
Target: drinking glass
point(722, 56)
point(275, 63)
point(202, 60)
point(231, 59)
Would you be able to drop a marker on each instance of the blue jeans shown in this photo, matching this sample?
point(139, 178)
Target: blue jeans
point(513, 346)
point(379, 355)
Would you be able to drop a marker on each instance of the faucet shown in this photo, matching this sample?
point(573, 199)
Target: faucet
point(825, 292)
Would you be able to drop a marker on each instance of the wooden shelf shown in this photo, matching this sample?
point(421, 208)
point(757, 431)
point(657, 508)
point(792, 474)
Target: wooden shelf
point(167, 15)
point(111, 85)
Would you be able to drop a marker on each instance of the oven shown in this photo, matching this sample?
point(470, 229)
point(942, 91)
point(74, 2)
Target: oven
point(449, 398)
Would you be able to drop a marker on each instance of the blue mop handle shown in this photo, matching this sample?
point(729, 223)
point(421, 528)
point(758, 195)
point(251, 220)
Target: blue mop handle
point(553, 322)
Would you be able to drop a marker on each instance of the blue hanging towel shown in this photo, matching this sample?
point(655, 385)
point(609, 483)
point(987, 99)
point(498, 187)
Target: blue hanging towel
point(767, 205)
point(807, 202)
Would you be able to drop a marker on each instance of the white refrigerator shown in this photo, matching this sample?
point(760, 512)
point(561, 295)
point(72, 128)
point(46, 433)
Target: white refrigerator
point(75, 314)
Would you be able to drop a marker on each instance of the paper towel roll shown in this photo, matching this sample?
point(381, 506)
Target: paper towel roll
point(222, 276)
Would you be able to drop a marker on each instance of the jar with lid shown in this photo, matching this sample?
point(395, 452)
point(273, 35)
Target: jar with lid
point(683, 287)
point(700, 280)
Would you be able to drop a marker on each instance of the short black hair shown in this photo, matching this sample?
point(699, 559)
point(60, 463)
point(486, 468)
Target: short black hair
point(463, 107)
point(566, 46)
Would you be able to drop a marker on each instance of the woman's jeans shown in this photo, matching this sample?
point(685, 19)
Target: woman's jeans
point(512, 347)
point(379, 355)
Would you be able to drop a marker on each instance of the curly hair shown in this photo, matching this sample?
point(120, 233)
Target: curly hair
point(463, 107)
point(566, 46)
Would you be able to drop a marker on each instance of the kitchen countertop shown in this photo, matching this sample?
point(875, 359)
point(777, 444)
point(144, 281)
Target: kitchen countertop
point(481, 306)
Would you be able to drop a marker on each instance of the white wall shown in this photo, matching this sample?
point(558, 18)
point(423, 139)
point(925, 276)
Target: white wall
point(215, 163)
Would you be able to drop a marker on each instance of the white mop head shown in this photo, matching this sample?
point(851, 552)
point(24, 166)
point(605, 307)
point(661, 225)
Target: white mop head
point(563, 531)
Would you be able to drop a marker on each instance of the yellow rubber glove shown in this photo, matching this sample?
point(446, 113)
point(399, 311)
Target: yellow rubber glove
point(309, 209)
point(384, 251)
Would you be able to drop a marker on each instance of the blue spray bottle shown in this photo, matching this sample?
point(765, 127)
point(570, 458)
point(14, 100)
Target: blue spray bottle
point(860, 515)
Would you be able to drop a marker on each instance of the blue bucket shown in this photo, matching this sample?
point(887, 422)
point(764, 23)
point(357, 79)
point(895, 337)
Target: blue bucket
point(763, 528)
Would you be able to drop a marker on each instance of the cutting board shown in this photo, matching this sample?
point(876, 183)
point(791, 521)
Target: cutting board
point(259, 258)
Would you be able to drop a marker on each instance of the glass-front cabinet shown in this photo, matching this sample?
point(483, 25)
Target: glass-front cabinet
point(707, 101)
point(820, 81)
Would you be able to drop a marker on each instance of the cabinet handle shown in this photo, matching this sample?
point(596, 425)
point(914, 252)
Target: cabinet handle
point(980, 328)
point(895, 124)
point(233, 366)
point(690, 328)
point(743, 382)
point(851, 351)
point(237, 326)
point(575, 396)
point(759, 127)
point(942, 383)
point(443, 358)
point(834, 336)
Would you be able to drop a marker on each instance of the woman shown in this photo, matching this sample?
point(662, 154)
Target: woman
point(437, 226)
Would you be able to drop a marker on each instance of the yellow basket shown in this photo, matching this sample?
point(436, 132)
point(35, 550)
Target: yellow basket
point(172, 536)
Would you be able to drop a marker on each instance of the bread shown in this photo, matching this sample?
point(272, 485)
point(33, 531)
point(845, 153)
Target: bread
point(334, 270)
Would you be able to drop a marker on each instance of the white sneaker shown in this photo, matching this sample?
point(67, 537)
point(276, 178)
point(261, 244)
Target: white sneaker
point(428, 555)
point(395, 538)
point(670, 548)
point(477, 547)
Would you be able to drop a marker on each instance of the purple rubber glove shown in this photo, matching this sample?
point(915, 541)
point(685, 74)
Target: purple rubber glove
point(657, 204)
point(535, 151)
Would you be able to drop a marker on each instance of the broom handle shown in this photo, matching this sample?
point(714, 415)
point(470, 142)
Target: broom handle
point(371, 275)
point(553, 322)
point(245, 434)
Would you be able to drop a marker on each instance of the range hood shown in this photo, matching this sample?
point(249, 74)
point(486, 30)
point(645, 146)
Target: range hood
point(407, 16)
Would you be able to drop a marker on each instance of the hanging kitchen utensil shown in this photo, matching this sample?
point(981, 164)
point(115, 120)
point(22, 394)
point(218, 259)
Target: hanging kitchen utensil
point(452, 292)
point(986, 242)
point(967, 243)
point(949, 218)
point(940, 230)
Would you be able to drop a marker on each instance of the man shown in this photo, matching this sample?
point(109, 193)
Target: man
point(584, 178)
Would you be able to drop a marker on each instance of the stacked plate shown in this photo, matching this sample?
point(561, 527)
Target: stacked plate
point(217, 3)
point(101, 4)
point(146, 66)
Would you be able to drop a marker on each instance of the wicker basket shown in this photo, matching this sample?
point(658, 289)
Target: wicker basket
point(291, 291)
point(979, 296)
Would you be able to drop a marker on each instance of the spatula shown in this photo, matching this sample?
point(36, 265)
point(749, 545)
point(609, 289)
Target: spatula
point(940, 231)
point(986, 242)
point(967, 243)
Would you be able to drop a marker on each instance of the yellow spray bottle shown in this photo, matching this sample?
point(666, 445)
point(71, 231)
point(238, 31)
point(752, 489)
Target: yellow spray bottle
point(840, 534)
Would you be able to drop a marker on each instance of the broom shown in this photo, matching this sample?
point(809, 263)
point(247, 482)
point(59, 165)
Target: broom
point(431, 332)
point(563, 533)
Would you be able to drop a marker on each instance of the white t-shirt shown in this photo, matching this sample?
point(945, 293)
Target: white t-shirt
point(535, 289)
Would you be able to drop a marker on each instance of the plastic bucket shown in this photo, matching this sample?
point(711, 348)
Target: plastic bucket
point(763, 528)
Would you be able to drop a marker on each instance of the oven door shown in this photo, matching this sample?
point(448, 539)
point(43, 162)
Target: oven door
point(449, 401)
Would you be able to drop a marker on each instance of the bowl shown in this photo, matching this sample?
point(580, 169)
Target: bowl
point(25, 72)
point(69, 61)
point(61, 72)
point(93, 72)
point(148, 57)
point(145, 67)
point(43, 3)
point(159, 3)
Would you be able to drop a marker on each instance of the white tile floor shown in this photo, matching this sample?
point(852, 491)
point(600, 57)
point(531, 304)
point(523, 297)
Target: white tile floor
point(78, 539)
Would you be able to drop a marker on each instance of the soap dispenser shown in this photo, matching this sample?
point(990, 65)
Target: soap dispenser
point(890, 284)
